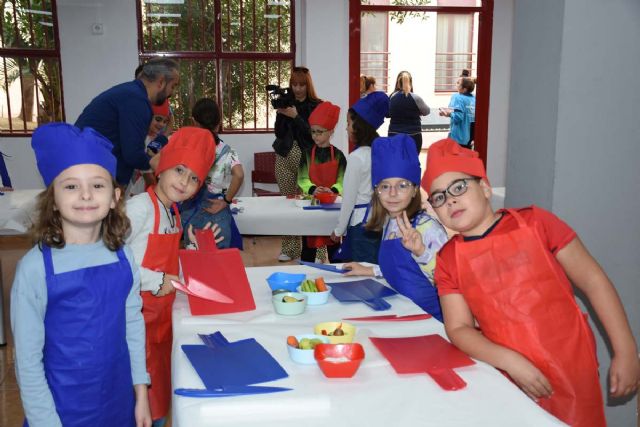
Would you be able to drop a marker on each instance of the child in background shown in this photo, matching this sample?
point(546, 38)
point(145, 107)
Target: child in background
point(154, 142)
point(405, 109)
point(510, 272)
point(460, 111)
point(212, 204)
point(411, 238)
point(155, 240)
point(75, 301)
point(321, 171)
point(367, 85)
point(359, 244)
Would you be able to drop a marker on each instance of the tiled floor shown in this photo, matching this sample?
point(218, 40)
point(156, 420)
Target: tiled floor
point(259, 251)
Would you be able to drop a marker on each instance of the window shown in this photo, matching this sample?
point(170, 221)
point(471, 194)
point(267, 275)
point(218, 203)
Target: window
point(30, 78)
point(228, 50)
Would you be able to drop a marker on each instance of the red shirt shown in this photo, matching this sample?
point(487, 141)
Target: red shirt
point(554, 232)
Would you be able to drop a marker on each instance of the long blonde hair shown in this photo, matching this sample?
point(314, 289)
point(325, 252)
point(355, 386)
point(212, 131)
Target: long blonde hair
point(379, 213)
point(404, 83)
point(47, 228)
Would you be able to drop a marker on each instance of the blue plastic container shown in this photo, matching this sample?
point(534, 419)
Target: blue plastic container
point(288, 281)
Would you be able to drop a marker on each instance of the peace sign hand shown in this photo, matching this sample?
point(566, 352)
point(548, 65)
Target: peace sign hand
point(411, 238)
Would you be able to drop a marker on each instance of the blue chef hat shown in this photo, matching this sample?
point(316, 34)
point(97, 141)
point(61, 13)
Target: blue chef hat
point(59, 146)
point(373, 108)
point(394, 157)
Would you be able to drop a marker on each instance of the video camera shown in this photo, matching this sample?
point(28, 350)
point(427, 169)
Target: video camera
point(280, 98)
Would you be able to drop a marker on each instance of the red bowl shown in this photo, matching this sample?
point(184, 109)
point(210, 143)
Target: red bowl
point(339, 360)
point(326, 198)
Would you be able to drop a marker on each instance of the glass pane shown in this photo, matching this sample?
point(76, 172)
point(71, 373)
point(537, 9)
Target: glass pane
point(256, 26)
point(30, 93)
point(197, 80)
point(245, 104)
point(177, 26)
point(456, 49)
point(27, 24)
point(374, 48)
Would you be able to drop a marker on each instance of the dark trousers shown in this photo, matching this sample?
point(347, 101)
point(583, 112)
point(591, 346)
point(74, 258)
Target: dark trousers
point(417, 138)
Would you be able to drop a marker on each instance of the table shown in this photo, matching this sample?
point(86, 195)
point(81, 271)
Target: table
point(375, 396)
point(17, 211)
point(279, 216)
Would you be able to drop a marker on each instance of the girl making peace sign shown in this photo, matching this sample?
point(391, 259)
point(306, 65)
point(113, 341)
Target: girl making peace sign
point(411, 238)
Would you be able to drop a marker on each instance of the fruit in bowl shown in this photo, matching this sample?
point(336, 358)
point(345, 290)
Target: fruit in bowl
point(317, 292)
point(300, 347)
point(326, 198)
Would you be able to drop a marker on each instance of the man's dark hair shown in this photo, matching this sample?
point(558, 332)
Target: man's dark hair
point(158, 67)
point(136, 73)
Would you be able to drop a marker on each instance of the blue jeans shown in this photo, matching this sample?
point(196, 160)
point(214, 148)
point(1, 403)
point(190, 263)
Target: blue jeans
point(160, 422)
point(200, 218)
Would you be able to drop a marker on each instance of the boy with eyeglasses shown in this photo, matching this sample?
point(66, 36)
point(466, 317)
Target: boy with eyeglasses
point(321, 171)
point(510, 273)
point(410, 237)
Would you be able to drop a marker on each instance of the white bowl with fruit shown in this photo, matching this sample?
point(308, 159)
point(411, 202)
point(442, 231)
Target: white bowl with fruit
point(300, 347)
point(316, 291)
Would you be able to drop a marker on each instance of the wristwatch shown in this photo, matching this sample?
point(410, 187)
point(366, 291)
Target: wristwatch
point(224, 197)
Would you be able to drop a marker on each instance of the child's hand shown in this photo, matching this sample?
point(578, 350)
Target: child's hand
point(624, 375)
point(215, 228)
point(322, 190)
point(411, 238)
point(167, 286)
point(215, 206)
point(334, 238)
point(142, 411)
point(356, 269)
point(528, 377)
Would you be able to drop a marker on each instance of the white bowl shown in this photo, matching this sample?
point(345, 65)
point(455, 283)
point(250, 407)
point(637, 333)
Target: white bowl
point(316, 298)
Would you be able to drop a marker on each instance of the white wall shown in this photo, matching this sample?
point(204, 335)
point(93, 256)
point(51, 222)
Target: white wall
point(499, 97)
point(573, 137)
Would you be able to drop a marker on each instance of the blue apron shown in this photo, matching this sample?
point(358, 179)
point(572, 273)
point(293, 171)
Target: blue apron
point(358, 243)
point(404, 274)
point(86, 357)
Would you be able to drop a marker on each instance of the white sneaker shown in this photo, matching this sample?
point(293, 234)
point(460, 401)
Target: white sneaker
point(284, 258)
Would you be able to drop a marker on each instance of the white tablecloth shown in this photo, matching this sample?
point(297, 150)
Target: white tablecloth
point(17, 211)
point(375, 396)
point(279, 216)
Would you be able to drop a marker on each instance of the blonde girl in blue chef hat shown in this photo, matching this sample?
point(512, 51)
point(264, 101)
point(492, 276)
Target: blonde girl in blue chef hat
point(75, 301)
point(411, 238)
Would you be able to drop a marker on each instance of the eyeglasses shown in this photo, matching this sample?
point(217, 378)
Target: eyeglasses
point(318, 131)
point(456, 189)
point(401, 187)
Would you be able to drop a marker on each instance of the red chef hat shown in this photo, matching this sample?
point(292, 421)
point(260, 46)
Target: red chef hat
point(192, 147)
point(161, 110)
point(447, 155)
point(325, 115)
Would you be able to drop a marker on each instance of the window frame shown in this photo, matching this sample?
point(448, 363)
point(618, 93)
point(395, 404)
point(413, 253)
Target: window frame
point(218, 56)
point(485, 35)
point(37, 53)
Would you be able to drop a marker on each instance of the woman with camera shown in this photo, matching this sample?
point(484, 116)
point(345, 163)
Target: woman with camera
point(293, 136)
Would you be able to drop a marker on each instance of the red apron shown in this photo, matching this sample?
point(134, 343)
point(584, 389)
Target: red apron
point(520, 302)
point(161, 255)
point(322, 175)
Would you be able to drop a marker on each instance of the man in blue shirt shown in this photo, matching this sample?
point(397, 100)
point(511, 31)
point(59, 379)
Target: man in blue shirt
point(123, 114)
